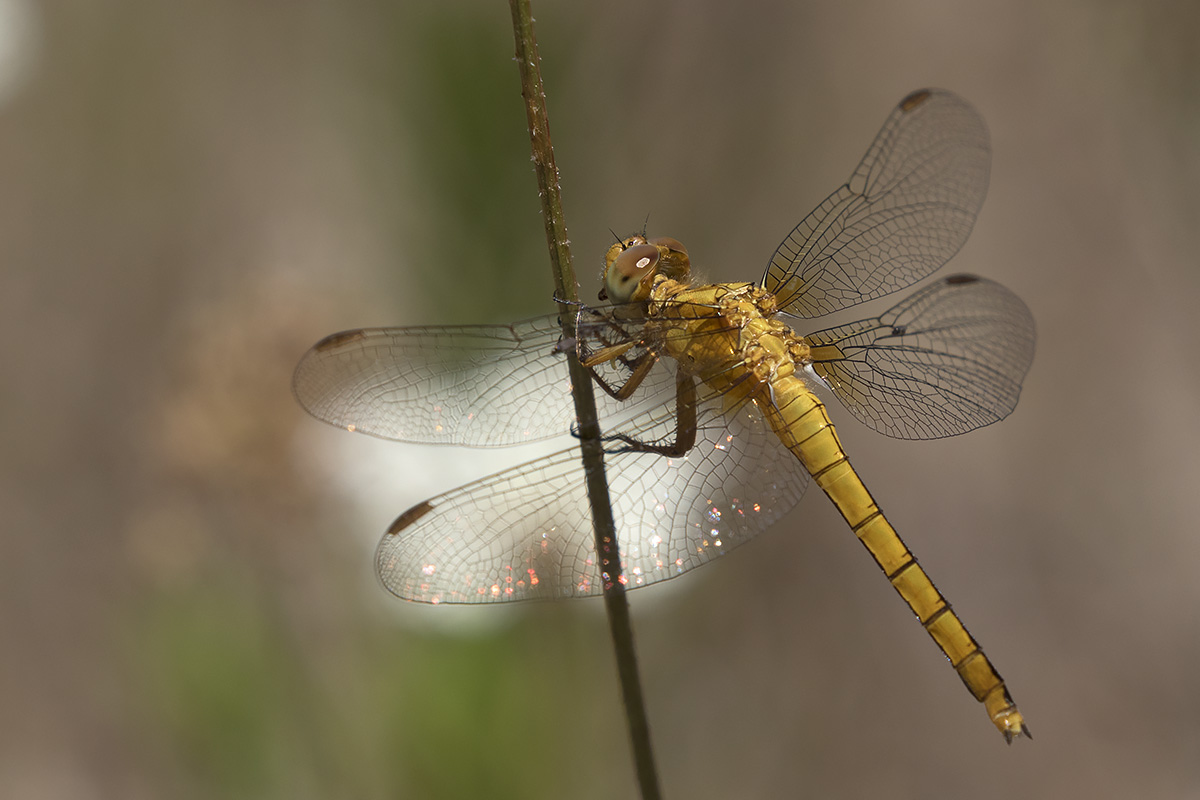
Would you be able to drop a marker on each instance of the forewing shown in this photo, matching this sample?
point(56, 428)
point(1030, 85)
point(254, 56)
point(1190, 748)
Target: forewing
point(476, 385)
point(526, 533)
point(904, 212)
point(947, 360)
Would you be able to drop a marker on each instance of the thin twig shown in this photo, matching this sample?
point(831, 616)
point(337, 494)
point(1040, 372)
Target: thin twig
point(585, 402)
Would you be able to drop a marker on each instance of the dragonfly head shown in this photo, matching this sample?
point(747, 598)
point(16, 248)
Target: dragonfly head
point(631, 265)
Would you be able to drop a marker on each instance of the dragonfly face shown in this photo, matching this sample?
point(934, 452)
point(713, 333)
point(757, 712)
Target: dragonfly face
point(713, 428)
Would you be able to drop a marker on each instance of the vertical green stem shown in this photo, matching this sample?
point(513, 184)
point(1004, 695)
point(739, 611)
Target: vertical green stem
point(585, 402)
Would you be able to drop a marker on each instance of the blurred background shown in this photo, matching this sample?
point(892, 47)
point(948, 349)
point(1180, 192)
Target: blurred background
point(192, 193)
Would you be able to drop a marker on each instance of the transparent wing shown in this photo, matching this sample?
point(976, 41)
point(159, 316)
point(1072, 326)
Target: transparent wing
point(526, 533)
point(476, 385)
point(947, 360)
point(904, 212)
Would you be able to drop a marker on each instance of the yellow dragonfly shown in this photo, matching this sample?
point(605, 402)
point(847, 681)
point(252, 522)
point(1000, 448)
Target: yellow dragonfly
point(711, 402)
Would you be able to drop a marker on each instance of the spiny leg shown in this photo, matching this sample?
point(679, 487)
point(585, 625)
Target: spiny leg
point(641, 368)
point(685, 424)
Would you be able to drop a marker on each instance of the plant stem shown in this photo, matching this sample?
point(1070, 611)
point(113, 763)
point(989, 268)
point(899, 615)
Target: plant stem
point(607, 548)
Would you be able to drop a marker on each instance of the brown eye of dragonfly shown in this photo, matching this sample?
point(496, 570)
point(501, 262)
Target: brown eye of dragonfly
point(635, 261)
point(669, 243)
point(628, 276)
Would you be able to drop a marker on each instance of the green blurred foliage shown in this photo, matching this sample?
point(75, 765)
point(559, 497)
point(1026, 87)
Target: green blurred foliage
point(245, 712)
point(475, 255)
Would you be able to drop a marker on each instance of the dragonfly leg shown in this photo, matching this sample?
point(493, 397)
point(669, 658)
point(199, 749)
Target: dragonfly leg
point(685, 425)
point(606, 354)
point(641, 368)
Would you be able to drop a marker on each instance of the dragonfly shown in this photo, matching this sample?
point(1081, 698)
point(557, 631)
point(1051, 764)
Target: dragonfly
point(710, 401)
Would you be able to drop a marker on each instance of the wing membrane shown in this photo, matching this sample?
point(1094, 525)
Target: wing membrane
point(947, 360)
point(526, 533)
point(475, 385)
point(908, 207)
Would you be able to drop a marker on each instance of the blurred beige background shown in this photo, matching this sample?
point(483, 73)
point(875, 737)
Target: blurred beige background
point(193, 192)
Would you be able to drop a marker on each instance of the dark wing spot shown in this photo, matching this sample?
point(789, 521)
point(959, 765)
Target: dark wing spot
point(337, 339)
point(409, 517)
point(915, 99)
point(954, 280)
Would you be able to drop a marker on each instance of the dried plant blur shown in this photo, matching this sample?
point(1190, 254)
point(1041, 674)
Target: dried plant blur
point(191, 193)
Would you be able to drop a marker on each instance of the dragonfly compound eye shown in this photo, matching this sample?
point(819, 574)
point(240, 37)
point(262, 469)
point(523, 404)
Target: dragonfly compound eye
point(675, 263)
point(631, 274)
point(671, 244)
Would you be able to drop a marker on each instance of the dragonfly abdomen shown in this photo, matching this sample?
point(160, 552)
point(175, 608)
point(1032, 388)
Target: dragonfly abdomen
point(800, 420)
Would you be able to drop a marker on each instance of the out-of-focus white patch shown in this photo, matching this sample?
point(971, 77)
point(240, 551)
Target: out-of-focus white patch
point(384, 479)
point(377, 480)
point(20, 41)
point(369, 482)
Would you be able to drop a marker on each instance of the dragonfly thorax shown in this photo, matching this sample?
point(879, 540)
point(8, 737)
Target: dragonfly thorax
point(727, 329)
